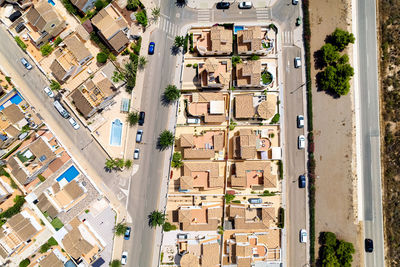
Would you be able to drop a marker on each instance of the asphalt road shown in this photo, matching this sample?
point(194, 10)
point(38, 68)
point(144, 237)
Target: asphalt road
point(370, 130)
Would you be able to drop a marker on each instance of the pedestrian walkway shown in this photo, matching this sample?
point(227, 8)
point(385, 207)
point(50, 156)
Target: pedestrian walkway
point(287, 38)
point(263, 14)
point(167, 26)
point(204, 15)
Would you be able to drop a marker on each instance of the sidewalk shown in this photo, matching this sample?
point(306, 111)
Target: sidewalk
point(208, 4)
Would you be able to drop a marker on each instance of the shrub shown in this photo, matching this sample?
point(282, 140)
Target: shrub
point(133, 5)
point(195, 65)
point(172, 93)
point(115, 263)
point(8, 79)
point(54, 85)
point(280, 169)
point(266, 193)
point(236, 60)
point(141, 18)
point(168, 227)
point(166, 139)
point(57, 41)
point(329, 54)
point(176, 160)
point(57, 224)
point(254, 57)
point(99, 4)
point(120, 229)
point(281, 217)
point(188, 65)
point(341, 38)
point(46, 49)
point(156, 218)
point(275, 119)
point(179, 41)
point(24, 263)
point(128, 163)
point(185, 44)
point(191, 43)
point(20, 43)
point(229, 198)
point(69, 7)
point(101, 57)
point(15, 209)
point(41, 178)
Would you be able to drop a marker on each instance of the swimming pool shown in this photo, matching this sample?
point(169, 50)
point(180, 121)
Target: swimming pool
point(15, 99)
point(69, 174)
point(51, 2)
point(238, 28)
point(116, 133)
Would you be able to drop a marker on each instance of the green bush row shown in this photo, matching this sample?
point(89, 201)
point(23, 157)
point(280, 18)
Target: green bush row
point(20, 43)
point(18, 202)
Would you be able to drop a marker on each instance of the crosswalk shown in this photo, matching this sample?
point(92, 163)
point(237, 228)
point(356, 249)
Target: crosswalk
point(204, 15)
point(287, 38)
point(263, 13)
point(167, 26)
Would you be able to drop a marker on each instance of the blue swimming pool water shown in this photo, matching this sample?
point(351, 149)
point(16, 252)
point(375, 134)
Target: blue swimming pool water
point(116, 133)
point(51, 2)
point(238, 28)
point(15, 99)
point(69, 174)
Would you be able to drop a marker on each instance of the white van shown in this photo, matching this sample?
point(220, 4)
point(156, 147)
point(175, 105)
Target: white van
point(61, 109)
point(193, 120)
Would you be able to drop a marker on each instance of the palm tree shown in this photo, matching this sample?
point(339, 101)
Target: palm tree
point(115, 263)
point(172, 93)
point(133, 118)
point(179, 41)
point(166, 139)
point(110, 164)
point(119, 163)
point(120, 229)
point(176, 160)
point(155, 12)
point(142, 62)
point(128, 163)
point(156, 218)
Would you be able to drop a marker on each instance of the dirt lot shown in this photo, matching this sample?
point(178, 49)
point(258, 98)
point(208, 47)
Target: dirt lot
point(334, 136)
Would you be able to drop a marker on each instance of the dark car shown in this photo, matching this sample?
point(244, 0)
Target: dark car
point(152, 45)
point(302, 181)
point(14, 16)
point(127, 234)
point(141, 118)
point(20, 27)
point(223, 5)
point(369, 245)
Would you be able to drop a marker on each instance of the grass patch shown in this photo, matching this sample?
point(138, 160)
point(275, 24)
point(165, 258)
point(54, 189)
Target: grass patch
point(20, 43)
point(275, 119)
point(15, 209)
point(266, 78)
point(11, 151)
point(57, 224)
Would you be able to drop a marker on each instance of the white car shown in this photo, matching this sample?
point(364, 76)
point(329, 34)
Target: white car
point(303, 236)
point(245, 5)
point(295, 2)
point(300, 121)
point(124, 257)
point(48, 92)
point(136, 153)
point(301, 142)
point(74, 123)
point(297, 62)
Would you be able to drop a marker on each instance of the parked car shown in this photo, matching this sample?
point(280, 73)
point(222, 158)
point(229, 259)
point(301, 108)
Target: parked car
point(26, 64)
point(245, 5)
point(74, 124)
point(152, 45)
point(301, 142)
point(193, 120)
point(300, 121)
point(139, 136)
point(302, 181)
point(255, 200)
point(127, 234)
point(223, 5)
point(303, 236)
point(297, 62)
point(124, 258)
point(141, 118)
point(20, 27)
point(48, 91)
point(136, 153)
point(295, 2)
point(298, 21)
point(369, 245)
point(14, 16)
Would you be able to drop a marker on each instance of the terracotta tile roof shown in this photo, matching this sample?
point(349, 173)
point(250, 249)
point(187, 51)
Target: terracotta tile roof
point(106, 87)
point(57, 70)
point(79, 3)
point(19, 173)
point(189, 153)
point(243, 262)
point(81, 103)
point(221, 39)
point(3, 252)
point(244, 145)
point(77, 48)
point(119, 41)
point(218, 141)
point(13, 113)
point(206, 97)
point(210, 255)
point(243, 250)
point(42, 151)
point(189, 260)
point(248, 73)
point(82, 32)
point(236, 210)
point(249, 40)
point(187, 140)
point(12, 131)
point(41, 14)
point(212, 214)
point(22, 227)
point(45, 205)
point(51, 260)
point(268, 108)
point(186, 182)
point(214, 178)
point(244, 106)
point(75, 244)
point(268, 215)
point(73, 189)
point(241, 169)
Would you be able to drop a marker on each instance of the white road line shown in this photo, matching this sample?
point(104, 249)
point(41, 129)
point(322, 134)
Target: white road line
point(161, 24)
point(165, 27)
point(169, 27)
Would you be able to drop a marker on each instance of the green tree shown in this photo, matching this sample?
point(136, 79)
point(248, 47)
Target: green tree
point(156, 218)
point(236, 60)
point(344, 253)
point(118, 76)
point(24, 263)
point(343, 59)
point(46, 49)
point(133, 118)
point(329, 239)
point(172, 93)
point(141, 18)
point(168, 227)
point(255, 57)
point(166, 139)
point(101, 57)
point(20, 43)
point(57, 41)
point(128, 163)
point(176, 160)
point(179, 41)
point(341, 39)
point(329, 258)
point(54, 85)
point(119, 163)
point(142, 62)
point(329, 54)
point(120, 229)
point(110, 164)
point(229, 198)
point(155, 12)
point(99, 4)
point(115, 263)
point(133, 5)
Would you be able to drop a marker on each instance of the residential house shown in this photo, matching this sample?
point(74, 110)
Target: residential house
point(210, 106)
point(247, 249)
point(255, 40)
point(43, 23)
point(253, 174)
point(93, 95)
point(71, 58)
point(201, 253)
point(11, 123)
point(18, 232)
point(248, 74)
point(250, 144)
point(30, 161)
point(5, 191)
point(204, 217)
point(216, 40)
point(215, 73)
point(203, 146)
point(112, 28)
point(253, 217)
point(201, 176)
point(51, 260)
point(249, 106)
point(83, 5)
point(82, 243)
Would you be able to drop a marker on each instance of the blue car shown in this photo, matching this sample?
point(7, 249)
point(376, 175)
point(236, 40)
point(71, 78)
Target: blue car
point(302, 181)
point(26, 64)
point(127, 234)
point(152, 45)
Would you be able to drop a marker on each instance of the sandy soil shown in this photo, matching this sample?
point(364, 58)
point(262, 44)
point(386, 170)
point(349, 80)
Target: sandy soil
point(334, 137)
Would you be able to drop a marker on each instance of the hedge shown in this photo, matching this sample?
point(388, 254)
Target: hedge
point(19, 201)
point(191, 43)
point(20, 43)
point(281, 217)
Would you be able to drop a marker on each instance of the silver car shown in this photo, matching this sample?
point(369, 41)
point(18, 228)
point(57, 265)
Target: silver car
point(26, 64)
point(74, 124)
point(48, 91)
point(301, 142)
point(136, 153)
